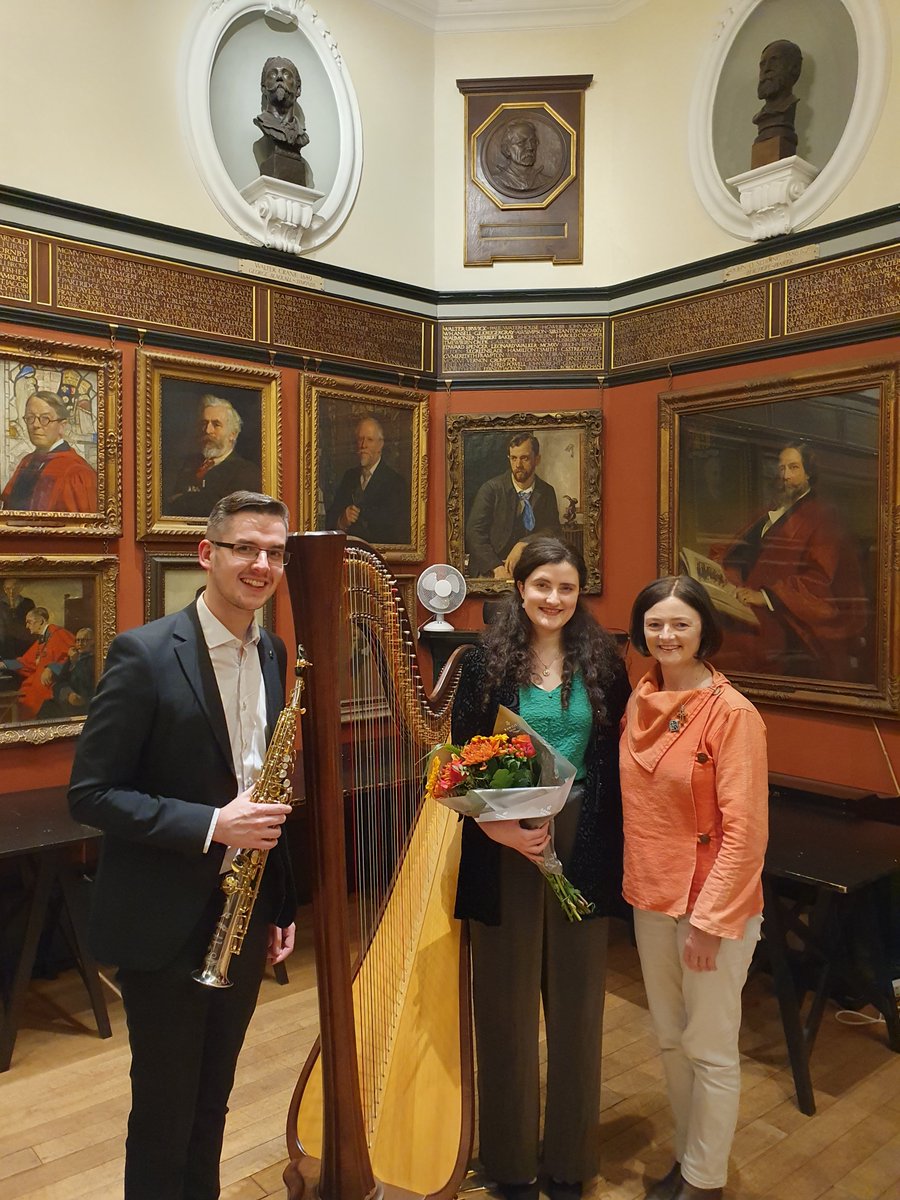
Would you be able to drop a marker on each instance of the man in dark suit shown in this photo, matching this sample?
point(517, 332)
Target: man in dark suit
point(216, 470)
point(509, 509)
point(372, 499)
point(165, 766)
point(72, 681)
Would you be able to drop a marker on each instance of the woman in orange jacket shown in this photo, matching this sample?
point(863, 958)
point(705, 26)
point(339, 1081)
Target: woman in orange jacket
point(695, 796)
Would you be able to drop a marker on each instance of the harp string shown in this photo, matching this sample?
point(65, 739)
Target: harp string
point(392, 727)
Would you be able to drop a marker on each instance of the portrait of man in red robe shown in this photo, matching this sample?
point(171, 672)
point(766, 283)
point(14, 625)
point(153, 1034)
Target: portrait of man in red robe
point(51, 644)
point(54, 477)
point(797, 568)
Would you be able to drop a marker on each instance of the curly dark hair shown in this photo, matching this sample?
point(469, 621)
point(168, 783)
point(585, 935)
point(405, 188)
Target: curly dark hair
point(586, 644)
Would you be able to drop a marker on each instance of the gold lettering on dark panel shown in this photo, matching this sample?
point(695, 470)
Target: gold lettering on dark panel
point(714, 322)
point(862, 289)
point(335, 329)
point(15, 271)
point(140, 289)
point(544, 346)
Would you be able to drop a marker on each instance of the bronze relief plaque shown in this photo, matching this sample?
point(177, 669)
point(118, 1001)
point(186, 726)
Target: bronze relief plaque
point(524, 168)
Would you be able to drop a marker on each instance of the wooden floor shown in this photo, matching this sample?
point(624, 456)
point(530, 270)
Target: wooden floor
point(64, 1103)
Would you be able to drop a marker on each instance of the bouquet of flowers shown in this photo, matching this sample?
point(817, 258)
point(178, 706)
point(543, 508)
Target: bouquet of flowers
point(512, 775)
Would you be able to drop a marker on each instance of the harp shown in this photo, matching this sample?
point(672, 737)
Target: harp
point(383, 1106)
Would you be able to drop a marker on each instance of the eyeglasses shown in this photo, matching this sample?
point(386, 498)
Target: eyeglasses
point(41, 419)
point(248, 552)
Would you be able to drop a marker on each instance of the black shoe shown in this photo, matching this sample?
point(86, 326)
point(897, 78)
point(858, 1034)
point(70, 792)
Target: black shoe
point(558, 1189)
point(519, 1191)
point(666, 1187)
point(690, 1191)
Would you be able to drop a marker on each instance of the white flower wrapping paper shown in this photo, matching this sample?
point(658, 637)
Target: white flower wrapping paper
point(536, 804)
point(532, 806)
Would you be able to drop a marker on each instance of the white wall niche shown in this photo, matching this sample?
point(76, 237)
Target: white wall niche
point(843, 153)
point(225, 54)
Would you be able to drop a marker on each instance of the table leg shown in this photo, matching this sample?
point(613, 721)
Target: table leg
point(48, 862)
point(85, 961)
point(785, 990)
point(877, 983)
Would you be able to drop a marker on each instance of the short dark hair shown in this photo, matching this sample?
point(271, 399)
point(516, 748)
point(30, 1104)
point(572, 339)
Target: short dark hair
point(238, 502)
point(807, 456)
point(524, 436)
point(56, 403)
point(694, 595)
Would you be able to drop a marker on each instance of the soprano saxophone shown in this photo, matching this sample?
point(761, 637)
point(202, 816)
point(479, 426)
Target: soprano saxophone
point(241, 882)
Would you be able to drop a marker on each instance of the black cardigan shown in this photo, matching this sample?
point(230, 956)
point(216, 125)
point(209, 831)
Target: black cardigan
point(595, 867)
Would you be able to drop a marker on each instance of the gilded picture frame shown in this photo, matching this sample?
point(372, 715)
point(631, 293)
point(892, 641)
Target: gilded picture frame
point(60, 439)
point(173, 579)
point(204, 429)
point(781, 496)
point(54, 603)
point(388, 510)
point(485, 519)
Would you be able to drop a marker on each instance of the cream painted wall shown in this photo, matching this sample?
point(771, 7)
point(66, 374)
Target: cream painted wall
point(99, 81)
point(390, 231)
point(642, 212)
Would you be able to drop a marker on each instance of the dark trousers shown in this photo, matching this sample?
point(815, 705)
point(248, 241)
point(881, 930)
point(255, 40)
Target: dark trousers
point(534, 954)
point(185, 1040)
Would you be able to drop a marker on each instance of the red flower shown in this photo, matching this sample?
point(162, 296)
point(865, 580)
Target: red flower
point(524, 745)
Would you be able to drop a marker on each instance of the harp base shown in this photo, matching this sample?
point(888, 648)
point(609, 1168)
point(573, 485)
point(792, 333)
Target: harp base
point(301, 1178)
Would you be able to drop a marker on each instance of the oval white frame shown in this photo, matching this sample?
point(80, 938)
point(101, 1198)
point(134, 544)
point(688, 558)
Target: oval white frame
point(211, 28)
point(873, 43)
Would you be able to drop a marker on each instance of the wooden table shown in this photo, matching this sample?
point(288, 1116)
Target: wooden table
point(837, 853)
point(36, 826)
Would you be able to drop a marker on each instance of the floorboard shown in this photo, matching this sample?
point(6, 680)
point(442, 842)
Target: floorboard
point(64, 1103)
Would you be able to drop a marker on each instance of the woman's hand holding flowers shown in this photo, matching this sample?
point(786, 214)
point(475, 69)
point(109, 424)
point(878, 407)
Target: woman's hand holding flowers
point(530, 842)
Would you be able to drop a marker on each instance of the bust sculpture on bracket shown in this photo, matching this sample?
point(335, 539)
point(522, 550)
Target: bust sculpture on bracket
point(778, 176)
point(280, 208)
point(283, 195)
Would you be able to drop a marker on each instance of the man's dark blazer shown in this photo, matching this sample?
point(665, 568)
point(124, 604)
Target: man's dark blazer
point(193, 497)
point(495, 523)
point(152, 761)
point(384, 516)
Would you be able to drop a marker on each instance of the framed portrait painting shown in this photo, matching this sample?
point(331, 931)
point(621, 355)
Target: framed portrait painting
point(365, 467)
point(60, 440)
point(516, 476)
point(778, 497)
point(172, 580)
point(57, 619)
point(205, 429)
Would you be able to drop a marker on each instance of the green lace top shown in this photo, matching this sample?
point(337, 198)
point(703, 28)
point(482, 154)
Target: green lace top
point(568, 730)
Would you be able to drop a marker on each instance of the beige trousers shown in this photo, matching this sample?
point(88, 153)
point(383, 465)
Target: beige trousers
point(697, 1018)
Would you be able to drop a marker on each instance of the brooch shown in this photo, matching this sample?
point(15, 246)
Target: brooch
point(677, 721)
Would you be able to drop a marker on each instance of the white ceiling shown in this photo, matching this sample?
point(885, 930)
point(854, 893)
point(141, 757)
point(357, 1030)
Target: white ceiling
point(465, 16)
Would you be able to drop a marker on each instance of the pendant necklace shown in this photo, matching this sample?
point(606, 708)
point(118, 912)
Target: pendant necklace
point(546, 669)
point(678, 720)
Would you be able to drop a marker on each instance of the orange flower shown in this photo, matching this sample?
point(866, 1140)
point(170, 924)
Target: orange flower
point(483, 749)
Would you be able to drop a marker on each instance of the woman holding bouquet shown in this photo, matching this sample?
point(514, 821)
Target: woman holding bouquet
point(695, 797)
point(547, 659)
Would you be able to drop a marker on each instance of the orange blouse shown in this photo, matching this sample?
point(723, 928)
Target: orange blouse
point(695, 803)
